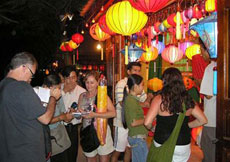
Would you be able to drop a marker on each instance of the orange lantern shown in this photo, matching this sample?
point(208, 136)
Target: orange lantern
point(101, 36)
point(150, 54)
point(189, 83)
point(155, 84)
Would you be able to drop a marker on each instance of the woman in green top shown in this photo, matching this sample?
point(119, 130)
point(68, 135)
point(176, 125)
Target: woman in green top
point(134, 118)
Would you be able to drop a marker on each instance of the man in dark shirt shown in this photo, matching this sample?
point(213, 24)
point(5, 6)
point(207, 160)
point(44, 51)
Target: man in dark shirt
point(22, 114)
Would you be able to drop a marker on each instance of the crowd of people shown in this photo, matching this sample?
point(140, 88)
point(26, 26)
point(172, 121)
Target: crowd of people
point(24, 116)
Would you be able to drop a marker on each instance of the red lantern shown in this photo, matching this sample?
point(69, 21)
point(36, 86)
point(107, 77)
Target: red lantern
point(62, 47)
point(171, 21)
point(68, 47)
point(77, 38)
point(148, 5)
point(196, 12)
point(104, 27)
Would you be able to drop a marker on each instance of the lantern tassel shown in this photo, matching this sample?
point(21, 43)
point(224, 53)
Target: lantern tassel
point(126, 54)
point(178, 30)
point(77, 54)
point(113, 50)
point(102, 53)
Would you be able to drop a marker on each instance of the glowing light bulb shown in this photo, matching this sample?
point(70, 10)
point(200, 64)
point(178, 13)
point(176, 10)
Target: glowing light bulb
point(93, 21)
point(98, 46)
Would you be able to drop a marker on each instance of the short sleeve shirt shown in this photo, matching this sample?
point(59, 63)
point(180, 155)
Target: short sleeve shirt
point(133, 111)
point(21, 134)
point(119, 89)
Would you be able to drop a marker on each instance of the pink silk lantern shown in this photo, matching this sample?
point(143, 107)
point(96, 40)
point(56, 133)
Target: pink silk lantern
point(183, 46)
point(189, 12)
point(148, 5)
point(172, 54)
point(104, 27)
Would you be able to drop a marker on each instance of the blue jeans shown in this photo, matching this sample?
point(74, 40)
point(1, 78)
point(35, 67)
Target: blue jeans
point(139, 149)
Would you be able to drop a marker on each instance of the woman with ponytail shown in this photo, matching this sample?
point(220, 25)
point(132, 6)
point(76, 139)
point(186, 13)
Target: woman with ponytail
point(133, 118)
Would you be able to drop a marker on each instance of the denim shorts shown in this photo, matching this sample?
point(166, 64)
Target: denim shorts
point(139, 149)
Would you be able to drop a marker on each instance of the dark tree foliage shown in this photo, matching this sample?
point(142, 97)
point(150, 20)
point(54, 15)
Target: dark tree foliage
point(35, 26)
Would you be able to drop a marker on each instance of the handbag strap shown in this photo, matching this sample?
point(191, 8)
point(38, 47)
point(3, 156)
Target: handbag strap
point(174, 136)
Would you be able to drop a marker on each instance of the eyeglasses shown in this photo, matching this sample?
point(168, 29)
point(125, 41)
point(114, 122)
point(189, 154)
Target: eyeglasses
point(30, 71)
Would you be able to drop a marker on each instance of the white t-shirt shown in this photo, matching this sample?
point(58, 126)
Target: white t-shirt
point(71, 97)
point(206, 88)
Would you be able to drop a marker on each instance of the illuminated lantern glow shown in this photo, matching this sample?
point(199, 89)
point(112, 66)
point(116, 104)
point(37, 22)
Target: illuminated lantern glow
point(62, 47)
point(189, 83)
point(196, 12)
point(77, 38)
point(189, 12)
point(148, 5)
point(192, 51)
point(101, 36)
point(92, 31)
point(184, 18)
point(150, 54)
point(68, 47)
point(160, 46)
point(198, 64)
point(172, 54)
point(104, 27)
point(166, 24)
point(210, 5)
point(155, 84)
point(73, 45)
point(156, 27)
point(134, 52)
point(123, 19)
point(171, 21)
point(183, 46)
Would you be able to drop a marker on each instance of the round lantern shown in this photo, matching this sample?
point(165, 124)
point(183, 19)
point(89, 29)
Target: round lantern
point(77, 38)
point(183, 46)
point(101, 36)
point(123, 19)
point(150, 54)
point(166, 24)
point(159, 45)
point(188, 82)
point(172, 54)
point(184, 18)
point(92, 31)
point(171, 21)
point(148, 5)
point(73, 45)
point(196, 12)
point(62, 47)
point(210, 5)
point(156, 26)
point(155, 84)
point(189, 12)
point(67, 46)
point(192, 51)
point(104, 27)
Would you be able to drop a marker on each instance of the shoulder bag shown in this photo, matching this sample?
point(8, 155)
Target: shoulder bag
point(59, 139)
point(165, 152)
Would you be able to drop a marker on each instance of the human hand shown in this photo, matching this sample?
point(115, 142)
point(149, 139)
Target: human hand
point(68, 117)
point(55, 92)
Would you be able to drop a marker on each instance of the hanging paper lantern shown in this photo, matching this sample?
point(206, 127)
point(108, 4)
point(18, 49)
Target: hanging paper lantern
point(210, 5)
point(192, 51)
point(171, 21)
point(184, 18)
point(198, 64)
point(101, 36)
point(196, 12)
point(189, 12)
point(68, 47)
point(77, 38)
point(183, 46)
point(189, 83)
point(156, 27)
point(134, 52)
point(150, 54)
point(159, 45)
point(207, 29)
point(172, 54)
point(162, 28)
point(148, 5)
point(73, 45)
point(62, 47)
point(123, 19)
point(166, 24)
point(155, 84)
point(104, 27)
point(92, 31)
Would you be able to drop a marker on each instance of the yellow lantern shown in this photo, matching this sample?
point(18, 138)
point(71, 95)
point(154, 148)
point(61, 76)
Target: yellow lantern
point(210, 5)
point(166, 24)
point(155, 84)
point(123, 19)
point(101, 36)
point(192, 51)
point(73, 45)
point(150, 54)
